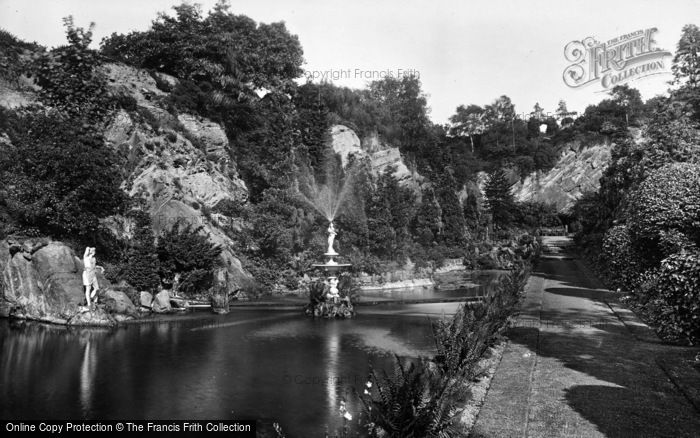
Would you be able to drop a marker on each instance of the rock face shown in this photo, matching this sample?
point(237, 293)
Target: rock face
point(41, 280)
point(345, 142)
point(180, 166)
point(578, 171)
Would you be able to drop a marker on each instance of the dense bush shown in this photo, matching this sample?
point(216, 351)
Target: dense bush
point(184, 251)
point(140, 264)
point(12, 62)
point(620, 258)
point(643, 225)
point(670, 296)
point(70, 79)
point(58, 176)
point(222, 48)
point(414, 401)
point(537, 215)
point(669, 199)
point(463, 340)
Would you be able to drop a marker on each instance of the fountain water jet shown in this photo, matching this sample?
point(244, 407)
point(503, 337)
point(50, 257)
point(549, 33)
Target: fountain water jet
point(327, 198)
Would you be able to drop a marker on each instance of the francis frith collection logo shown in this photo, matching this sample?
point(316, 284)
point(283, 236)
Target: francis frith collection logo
point(616, 61)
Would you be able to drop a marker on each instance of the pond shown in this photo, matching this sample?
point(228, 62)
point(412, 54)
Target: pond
point(448, 285)
point(268, 365)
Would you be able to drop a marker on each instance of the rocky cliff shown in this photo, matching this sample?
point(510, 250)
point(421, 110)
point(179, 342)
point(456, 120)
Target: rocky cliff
point(345, 142)
point(179, 165)
point(577, 171)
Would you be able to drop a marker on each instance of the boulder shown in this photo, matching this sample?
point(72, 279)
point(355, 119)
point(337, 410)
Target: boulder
point(44, 285)
point(146, 299)
point(116, 301)
point(161, 302)
point(211, 135)
point(219, 303)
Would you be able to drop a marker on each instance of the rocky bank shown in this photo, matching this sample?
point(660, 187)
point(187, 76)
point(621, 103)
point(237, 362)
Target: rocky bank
point(180, 166)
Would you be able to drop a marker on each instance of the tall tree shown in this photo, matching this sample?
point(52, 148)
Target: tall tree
point(686, 62)
point(468, 121)
point(629, 99)
point(499, 199)
point(562, 111)
point(537, 112)
point(427, 224)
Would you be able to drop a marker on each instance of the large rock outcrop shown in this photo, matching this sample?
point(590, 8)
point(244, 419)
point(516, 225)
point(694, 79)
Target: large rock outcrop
point(179, 165)
point(345, 142)
point(41, 280)
point(577, 171)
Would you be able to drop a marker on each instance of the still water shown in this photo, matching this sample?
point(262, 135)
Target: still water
point(272, 366)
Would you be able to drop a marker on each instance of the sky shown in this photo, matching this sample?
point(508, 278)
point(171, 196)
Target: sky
point(464, 52)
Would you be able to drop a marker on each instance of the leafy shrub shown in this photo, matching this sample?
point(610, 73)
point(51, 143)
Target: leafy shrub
point(141, 265)
point(463, 340)
point(419, 399)
point(11, 49)
point(58, 177)
point(669, 199)
point(126, 102)
point(670, 296)
point(414, 401)
point(537, 215)
point(348, 286)
point(619, 257)
point(69, 78)
point(183, 250)
point(223, 48)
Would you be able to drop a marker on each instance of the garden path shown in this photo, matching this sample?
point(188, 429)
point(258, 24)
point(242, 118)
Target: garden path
point(578, 364)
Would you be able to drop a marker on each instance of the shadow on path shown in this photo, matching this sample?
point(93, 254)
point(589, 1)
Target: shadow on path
point(579, 372)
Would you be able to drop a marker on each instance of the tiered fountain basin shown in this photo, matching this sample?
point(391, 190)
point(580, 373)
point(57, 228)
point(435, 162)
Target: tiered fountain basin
point(331, 266)
point(330, 304)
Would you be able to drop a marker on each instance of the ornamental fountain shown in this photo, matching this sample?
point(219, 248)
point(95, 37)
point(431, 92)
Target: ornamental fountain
point(332, 268)
point(327, 199)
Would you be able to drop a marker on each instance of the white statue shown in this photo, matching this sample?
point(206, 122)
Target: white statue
point(333, 293)
point(90, 276)
point(331, 238)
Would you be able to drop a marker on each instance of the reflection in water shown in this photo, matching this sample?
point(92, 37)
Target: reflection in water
point(455, 284)
point(333, 344)
point(87, 376)
point(250, 364)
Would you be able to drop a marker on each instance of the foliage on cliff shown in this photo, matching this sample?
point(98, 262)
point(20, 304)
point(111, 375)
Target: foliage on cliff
point(57, 177)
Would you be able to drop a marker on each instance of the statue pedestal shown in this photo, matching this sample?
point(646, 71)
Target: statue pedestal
point(331, 304)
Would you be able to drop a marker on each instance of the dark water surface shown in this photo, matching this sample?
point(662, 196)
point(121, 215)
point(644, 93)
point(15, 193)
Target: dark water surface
point(250, 364)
